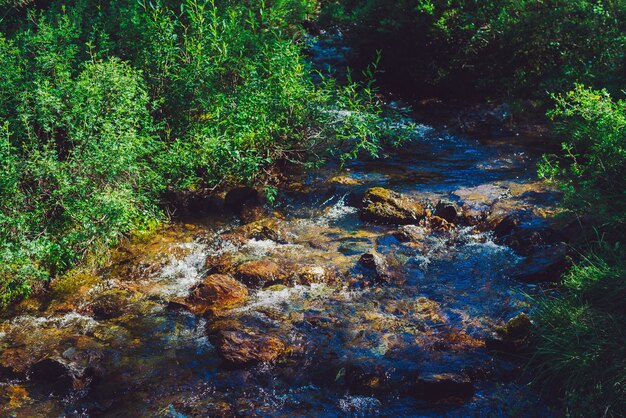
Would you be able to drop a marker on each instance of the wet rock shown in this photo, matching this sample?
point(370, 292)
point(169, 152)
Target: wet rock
point(217, 291)
point(242, 347)
point(486, 122)
point(12, 397)
point(513, 337)
point(506, 225)
point(483, 195)
point(220, 264)
point(267, 228)
point(516, 328)
point(527, 239)
point(376, 264)
point(53, 371)
point(410, 233)
point(313, 274)
point(438, 224)
point(546, 264)
point(441, 386)
point(367, 376)
point(344, 180)
point(108, 304)
point(352, 247)
point(260, 273)
point(14, 361)
point(447, 210)
point(246, 203)
point(386, 206)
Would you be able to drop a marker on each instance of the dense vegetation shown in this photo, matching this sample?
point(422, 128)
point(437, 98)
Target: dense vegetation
point(581, 347)
point(517, 47)
point(105, 106)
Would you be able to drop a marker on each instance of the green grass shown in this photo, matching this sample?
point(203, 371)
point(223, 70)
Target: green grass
point(581, 338)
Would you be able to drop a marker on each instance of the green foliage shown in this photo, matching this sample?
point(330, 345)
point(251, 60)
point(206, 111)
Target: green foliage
point(592, 164)
point(80, 175)
point(105, 106)
point(581, 343)
point(498, 47)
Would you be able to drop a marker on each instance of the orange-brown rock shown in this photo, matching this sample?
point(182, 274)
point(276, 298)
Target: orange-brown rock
point(220, 264)
point(241, 347)
point(260, 273)
point(217, 291)
point(267, 228)
point(315, 274)
point(439, 224)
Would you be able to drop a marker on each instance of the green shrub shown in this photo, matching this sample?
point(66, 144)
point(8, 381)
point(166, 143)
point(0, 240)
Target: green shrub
point(591, 167)
point(81, 176)
point(520, 47)
point(581, 341)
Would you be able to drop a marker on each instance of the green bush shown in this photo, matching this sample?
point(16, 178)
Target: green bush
point(519, 47)
point(592, 164)
point(81, 174)
point(581, 342)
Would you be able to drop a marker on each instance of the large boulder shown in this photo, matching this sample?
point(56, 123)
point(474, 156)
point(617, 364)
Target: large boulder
point(242, 347)
point(259, 273)
point(217, 291)
point(386, 206)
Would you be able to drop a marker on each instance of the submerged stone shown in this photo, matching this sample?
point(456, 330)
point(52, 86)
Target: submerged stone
point(267, 228)
point(410, 233)
point(376, 264)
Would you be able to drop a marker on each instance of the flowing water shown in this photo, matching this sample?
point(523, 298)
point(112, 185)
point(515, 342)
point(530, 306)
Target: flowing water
point(354, 346)
point(451, 291)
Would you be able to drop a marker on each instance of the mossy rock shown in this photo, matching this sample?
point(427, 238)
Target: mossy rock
point(386, 206)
